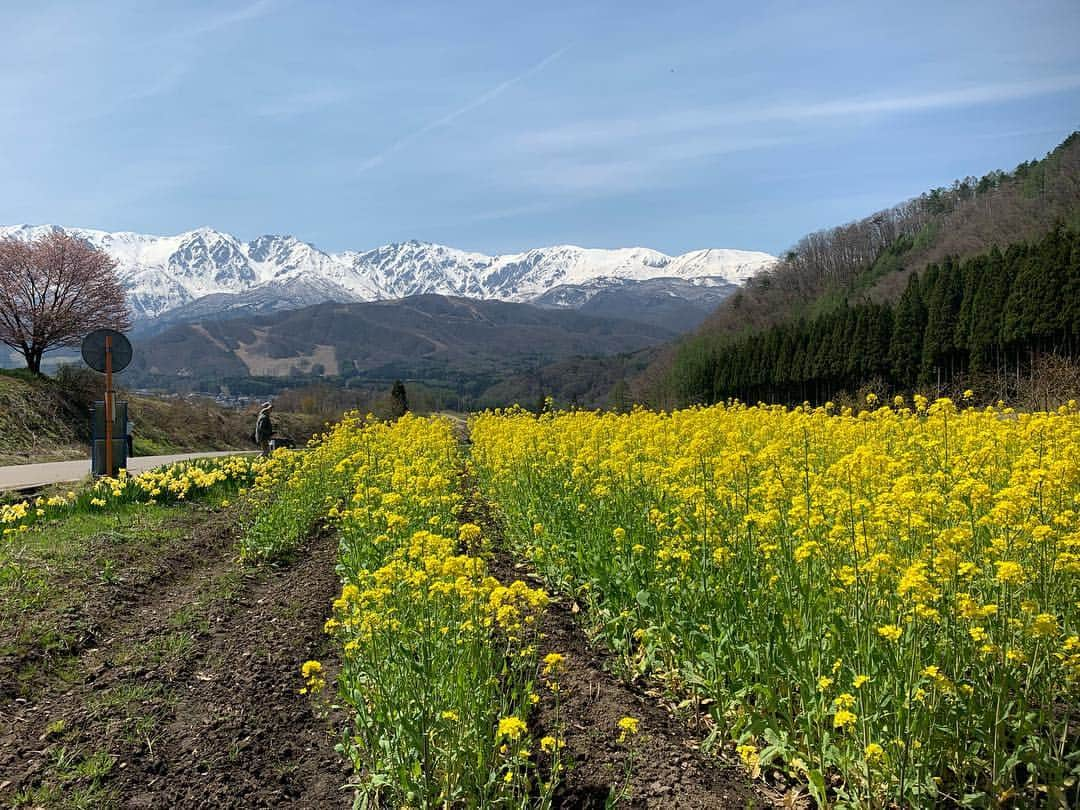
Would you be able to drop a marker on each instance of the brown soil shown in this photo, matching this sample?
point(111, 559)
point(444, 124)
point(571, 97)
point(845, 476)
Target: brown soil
point(190, 696)
point(666, 766)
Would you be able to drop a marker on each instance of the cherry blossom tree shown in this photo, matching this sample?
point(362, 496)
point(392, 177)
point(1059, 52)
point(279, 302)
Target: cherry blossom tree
point(53, 290)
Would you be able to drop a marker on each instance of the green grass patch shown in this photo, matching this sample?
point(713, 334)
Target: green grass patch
point(144, 446)
point(47, 573)
point(124, 696)
point(72, 780)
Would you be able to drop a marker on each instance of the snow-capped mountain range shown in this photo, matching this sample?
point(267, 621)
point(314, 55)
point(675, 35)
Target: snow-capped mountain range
point(168, 274)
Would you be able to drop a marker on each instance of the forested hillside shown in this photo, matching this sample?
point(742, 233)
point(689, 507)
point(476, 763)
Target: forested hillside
point(912, 296)
point(988, 318)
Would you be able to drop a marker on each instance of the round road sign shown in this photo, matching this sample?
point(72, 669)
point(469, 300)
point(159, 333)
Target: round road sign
point(93, 350)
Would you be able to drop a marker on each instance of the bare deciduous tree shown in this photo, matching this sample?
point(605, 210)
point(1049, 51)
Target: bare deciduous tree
point(53, 291)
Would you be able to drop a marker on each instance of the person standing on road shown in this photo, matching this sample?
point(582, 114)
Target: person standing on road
point(264, 428)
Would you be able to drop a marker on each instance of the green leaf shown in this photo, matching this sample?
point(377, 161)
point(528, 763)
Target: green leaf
point(816, 783)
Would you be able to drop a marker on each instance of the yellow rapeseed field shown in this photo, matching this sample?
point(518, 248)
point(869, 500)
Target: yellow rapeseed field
point(883, 603)
point(439, 658)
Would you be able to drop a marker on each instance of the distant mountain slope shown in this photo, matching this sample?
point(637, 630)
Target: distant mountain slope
point(206, 272)
point(293, 293)
point(45, 419)
point(426, 337)
point(673, 303)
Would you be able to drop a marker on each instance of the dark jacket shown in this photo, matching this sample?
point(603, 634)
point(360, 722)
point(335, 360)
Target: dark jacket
point(264, 428)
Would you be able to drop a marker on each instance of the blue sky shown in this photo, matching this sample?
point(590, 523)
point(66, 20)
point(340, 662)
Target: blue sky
point(498, 126)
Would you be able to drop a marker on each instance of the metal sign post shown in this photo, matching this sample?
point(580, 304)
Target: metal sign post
point(107, 350)
point(108, 405)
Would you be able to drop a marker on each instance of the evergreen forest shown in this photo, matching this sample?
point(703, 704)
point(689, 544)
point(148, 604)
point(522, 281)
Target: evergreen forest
point(993, 315)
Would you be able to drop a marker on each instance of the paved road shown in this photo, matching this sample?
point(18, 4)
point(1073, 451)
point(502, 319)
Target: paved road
point(25, 476)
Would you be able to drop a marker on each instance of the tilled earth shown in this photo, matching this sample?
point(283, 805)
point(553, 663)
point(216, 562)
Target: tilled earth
point(659, 767)
point(184, 692)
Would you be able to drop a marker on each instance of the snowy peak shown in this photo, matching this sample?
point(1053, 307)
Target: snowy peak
point(212, 259)
point(413, 268)
point(164, 273)
point(734, 266)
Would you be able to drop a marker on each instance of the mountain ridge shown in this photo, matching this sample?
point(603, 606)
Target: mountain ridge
point(165, 273)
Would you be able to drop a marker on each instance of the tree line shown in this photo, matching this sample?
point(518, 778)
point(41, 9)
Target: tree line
point(994, 314)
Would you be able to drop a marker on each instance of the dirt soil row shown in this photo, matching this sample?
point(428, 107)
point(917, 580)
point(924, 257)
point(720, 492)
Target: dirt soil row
point(186, 693)
point(666, 766)
point(662, 766)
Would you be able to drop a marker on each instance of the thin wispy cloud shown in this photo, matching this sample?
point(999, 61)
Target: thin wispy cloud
point(479, 101)
point(306, 101)
point(510, 212)
point(649, 166)
point(963, 97)
point(601, 133)
point(160, 85)
point(231, 17)
point(153, 87)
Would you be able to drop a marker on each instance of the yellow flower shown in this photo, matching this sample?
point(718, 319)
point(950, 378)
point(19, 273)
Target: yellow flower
point(468, 533)
point(890, 632)
point(312, 672)
point(628, 725)
point(1009, 572)
point(749, 755)
point(1015, 656)
point(511, 727)
point(552, 663)
point(845, 700)
point(844, 719)
point(1044, 625)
